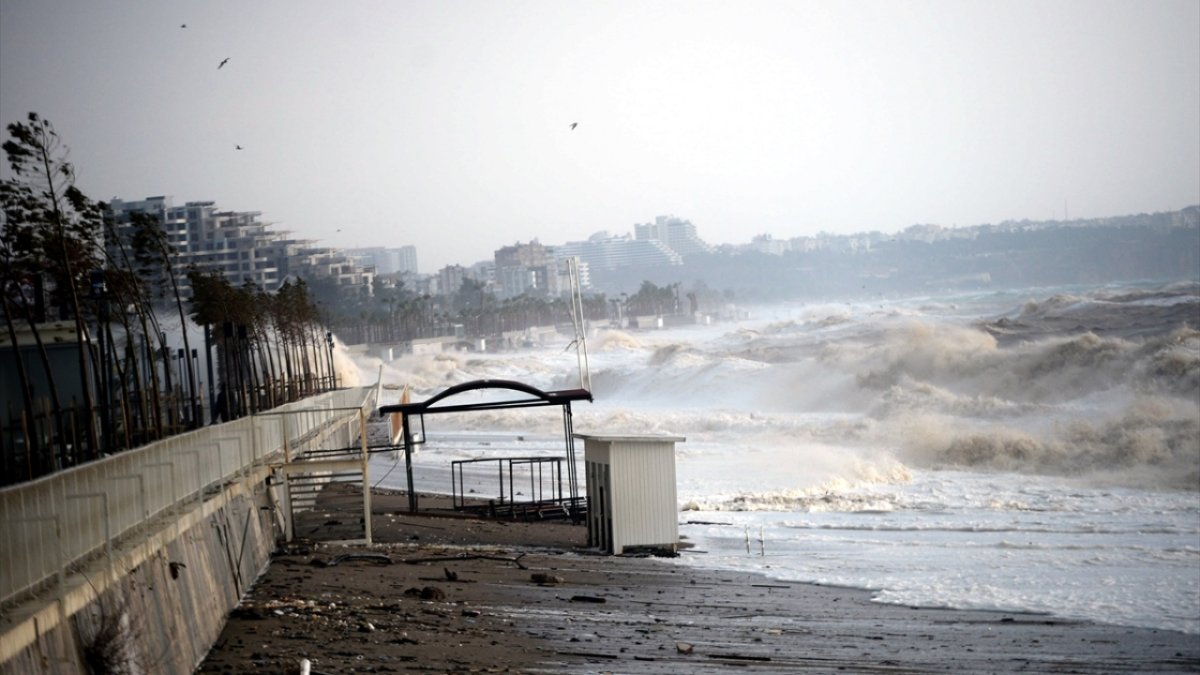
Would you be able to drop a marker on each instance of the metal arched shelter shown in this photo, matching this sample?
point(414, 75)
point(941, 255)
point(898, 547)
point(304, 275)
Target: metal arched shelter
point(533, 397)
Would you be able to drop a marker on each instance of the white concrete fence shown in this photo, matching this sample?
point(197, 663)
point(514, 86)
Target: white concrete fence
point(53, 524)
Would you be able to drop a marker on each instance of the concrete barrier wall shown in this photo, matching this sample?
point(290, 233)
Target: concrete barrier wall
point(159, 606)
point(52, 524)
point(136, 560)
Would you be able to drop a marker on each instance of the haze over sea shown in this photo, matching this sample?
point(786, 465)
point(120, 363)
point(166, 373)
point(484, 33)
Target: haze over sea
point(1031, 450)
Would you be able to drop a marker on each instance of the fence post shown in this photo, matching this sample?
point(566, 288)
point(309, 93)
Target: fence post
point(366, 488)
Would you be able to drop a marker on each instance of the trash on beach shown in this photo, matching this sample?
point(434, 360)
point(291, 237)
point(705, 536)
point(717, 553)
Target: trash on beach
point(379, 558)
point(543, 579)
point(427, 593)
point(587, 598)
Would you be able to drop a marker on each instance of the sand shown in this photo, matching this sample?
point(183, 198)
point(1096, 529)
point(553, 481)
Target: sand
point(440, 593)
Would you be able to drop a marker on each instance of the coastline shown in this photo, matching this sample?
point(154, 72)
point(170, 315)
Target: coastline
point(515, 596)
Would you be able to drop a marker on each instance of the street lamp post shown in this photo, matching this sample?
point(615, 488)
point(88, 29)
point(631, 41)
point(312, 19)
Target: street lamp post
point(329, 343)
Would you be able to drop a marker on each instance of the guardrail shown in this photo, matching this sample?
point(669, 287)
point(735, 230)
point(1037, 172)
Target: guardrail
point(51, 524)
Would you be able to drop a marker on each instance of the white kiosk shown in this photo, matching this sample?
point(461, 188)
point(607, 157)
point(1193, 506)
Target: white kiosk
point(631, 492)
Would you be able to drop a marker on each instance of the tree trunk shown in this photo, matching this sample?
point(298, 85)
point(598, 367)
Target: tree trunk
point(32, 445)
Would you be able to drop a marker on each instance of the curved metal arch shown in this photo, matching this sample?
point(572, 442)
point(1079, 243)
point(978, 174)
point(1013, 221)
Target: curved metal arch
point(539, 398)
point(487, 384)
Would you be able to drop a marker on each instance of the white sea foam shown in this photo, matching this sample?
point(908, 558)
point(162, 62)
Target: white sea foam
point(1035, 450)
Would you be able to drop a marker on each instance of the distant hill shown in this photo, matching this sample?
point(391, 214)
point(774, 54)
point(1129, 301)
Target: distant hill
point(1159, 246)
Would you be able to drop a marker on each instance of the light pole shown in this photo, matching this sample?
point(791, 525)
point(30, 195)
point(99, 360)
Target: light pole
point(329, 343)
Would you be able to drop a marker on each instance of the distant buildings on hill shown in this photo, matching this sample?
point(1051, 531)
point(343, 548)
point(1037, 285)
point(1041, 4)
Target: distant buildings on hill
point(244, 249)
point(537, 269)
point(238, 245)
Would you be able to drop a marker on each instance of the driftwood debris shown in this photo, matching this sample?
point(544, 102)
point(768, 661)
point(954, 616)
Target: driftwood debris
point(380, 558)
point(587, 598)
point(465, 556)
point(739, 657)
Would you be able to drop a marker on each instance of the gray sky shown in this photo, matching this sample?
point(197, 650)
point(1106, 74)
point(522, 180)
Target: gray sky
point(445, 124)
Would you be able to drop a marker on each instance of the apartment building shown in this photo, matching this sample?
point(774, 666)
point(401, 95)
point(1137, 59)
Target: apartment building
point(678, 234)
point(385, 260)
point(234, 243)
point(527, 269)
point(602, 251)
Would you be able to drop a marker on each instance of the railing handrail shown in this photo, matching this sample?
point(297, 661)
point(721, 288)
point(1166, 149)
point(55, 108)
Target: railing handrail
point(49, 525)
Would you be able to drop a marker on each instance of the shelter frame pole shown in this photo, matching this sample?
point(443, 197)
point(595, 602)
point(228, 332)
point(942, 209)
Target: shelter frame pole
point(412, 496)
point(572, 477)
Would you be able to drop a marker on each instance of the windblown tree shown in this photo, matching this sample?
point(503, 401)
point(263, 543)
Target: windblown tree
point(296, 315)
point(269, 345)
point(127, 287)
point(218, 304)
point(60, 225)
point(19, 266)
point(156, 261)
point(656, 300)
point(137, 405)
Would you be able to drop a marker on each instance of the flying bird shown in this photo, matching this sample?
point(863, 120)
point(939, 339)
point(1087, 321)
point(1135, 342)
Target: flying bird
point(573, 125)
point(222, 63)
point(183, 25)
point(238, 147)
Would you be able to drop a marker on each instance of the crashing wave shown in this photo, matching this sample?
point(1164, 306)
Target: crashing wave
point(836, 495)
point(1154, 443)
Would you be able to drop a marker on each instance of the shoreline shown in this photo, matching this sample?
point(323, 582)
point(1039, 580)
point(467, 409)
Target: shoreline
point(447, 593)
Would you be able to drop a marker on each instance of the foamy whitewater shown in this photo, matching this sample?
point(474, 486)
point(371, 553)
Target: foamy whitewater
point(1031, 450)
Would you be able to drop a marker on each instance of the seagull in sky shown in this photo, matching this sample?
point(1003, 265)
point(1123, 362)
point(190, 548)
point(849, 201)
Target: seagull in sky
point(222, 63)
point(573, 125)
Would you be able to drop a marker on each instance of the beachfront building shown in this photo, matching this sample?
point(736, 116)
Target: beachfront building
point(450, 279)
point(678, 234)
point(602, 251)
point(765, 243)
point(235, 244)
point(529, 269)
point(386, 260)
point(321, 262)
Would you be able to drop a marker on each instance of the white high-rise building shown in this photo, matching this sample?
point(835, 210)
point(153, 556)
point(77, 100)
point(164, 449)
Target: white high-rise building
point(233, 243)
point(602, 251)
point(680, 235)
point(388, 260)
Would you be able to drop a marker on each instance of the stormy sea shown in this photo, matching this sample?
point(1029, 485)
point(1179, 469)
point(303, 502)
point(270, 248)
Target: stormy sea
point(1034, 449)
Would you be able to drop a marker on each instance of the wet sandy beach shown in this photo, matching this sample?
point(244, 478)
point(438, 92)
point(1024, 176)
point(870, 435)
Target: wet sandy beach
point(463, 594)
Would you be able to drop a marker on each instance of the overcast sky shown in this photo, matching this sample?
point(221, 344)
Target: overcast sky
point(446, 124)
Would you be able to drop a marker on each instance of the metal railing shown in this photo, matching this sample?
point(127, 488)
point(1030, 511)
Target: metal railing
point(51, 524)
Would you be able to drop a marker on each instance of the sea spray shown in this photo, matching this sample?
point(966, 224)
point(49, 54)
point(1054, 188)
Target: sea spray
point(976, 451)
